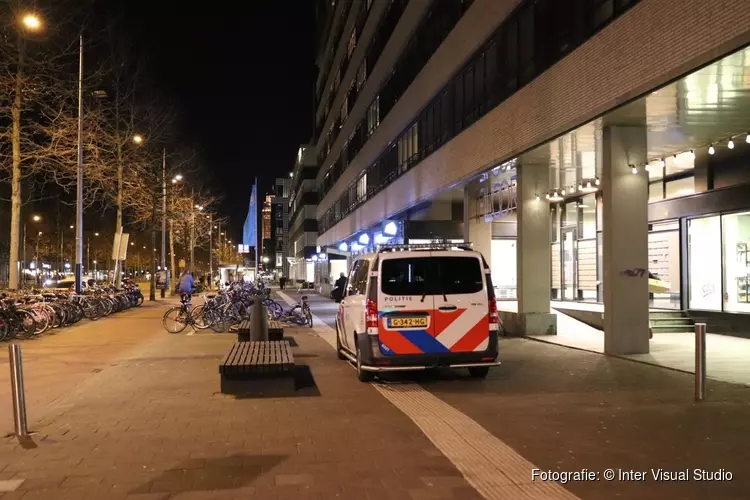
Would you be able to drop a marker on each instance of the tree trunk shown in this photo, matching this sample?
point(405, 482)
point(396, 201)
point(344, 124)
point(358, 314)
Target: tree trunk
point(15, 217)
point(152, 292)
point(118, 223)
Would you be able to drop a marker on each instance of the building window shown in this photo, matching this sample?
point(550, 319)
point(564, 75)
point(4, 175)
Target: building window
point(408, 147)
point(680, 187)
point(656, 191)
point(736, 235)
point(352, 43)
point(361, 75)
point(587, 216)
point(362, 188)
point(344, 110)
point(704, 263)
point(373, 116)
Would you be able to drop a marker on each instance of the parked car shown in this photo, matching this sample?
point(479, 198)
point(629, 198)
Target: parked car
point(414, 307)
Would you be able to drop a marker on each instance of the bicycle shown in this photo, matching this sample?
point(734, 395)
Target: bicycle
point(299, 314)
point(176, 319)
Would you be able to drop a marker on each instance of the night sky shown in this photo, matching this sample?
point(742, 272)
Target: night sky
point(242, 82)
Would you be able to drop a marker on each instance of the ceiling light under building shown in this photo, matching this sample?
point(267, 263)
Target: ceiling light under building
point(711, 149)
point(730, 144)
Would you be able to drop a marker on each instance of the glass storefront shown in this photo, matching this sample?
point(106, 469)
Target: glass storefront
point(503, 268)
point(719, 263)
point(574, 250)
point(664, 265)
point(704, 263)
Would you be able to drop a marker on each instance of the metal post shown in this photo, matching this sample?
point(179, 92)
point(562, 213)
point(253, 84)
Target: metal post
point(192, 231)
point(23, 256)
point(164, 221)
point(79, 177)
point(16, 383)
point(210, 250)
point(700, 361)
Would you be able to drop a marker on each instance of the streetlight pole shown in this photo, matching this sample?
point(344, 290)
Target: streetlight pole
point(164, 221)
point(79, 176)
point(210, 250)
point(192, 230)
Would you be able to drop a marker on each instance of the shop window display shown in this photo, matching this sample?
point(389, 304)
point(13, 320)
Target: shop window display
point(704, 262)
point(736, 235)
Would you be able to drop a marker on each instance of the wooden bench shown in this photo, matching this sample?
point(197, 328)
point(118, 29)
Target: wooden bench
point(275, 330)
point(243, 331)
point(265, 366)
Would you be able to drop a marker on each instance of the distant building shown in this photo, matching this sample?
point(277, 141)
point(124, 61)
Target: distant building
point(303, 228)
point(280, 227)
point(266, 231)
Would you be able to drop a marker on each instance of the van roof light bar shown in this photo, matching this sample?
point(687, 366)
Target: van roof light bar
point(427, 246)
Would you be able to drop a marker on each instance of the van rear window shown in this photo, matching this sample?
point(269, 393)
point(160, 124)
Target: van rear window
point(405, 276)
point(458, 275)
point(433, 275)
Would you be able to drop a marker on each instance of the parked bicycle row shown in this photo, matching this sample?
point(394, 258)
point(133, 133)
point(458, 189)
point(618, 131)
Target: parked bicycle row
point(26, 314)
point(229, 307)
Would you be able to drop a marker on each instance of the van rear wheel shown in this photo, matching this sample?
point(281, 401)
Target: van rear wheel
point(363, 375)
point(479, 371)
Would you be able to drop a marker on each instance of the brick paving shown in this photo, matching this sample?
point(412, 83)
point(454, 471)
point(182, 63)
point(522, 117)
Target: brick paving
point(125, 410)
point(59, 361)
point(566, 410)
point(152, 425)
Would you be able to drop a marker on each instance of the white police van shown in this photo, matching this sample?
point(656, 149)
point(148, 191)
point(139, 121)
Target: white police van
point(414, 307)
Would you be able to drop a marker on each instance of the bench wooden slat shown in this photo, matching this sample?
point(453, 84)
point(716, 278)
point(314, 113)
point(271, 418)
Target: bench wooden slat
point(258, 358)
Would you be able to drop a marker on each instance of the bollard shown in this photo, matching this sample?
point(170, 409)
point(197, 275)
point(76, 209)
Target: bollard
point(700, 361)
point(19, 398)
point(259, 321)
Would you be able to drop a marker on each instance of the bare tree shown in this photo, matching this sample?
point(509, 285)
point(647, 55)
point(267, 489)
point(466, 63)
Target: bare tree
point(33, 59)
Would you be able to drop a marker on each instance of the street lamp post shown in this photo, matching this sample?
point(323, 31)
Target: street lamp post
point(192, 231)
point(79, 176)
point(210, 250)
point(164, 222)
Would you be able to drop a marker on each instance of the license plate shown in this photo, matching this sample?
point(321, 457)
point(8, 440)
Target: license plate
point(407, 322)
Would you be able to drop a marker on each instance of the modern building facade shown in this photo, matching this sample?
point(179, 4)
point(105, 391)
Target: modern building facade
point(579, 144)
point(280, 226)
point(303, 227)
point(266, 224)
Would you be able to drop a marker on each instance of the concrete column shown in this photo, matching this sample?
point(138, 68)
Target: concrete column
point(533, 251)
point(625, 228)
point(476, 230)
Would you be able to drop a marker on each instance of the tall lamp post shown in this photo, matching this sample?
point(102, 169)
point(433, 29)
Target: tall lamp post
point(164, 222)
point(79, 176)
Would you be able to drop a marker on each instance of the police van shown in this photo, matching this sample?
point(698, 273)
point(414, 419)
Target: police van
point(415, 307)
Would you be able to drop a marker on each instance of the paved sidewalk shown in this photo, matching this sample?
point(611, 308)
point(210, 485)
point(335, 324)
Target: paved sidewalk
point(152, 425)
point(60, 360)
point(567, 410)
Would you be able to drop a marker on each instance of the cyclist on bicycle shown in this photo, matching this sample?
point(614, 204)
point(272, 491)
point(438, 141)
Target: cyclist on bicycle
point(186, 285)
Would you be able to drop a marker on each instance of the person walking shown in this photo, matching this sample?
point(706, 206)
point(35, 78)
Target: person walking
point(282, 282)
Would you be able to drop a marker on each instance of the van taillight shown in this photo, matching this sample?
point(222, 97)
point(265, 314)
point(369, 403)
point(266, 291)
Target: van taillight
point(371, 313)
point(493, 311)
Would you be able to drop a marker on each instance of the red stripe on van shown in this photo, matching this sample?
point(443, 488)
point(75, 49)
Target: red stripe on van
point(478, 334)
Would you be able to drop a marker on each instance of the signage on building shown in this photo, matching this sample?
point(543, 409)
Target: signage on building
point(499, 199)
